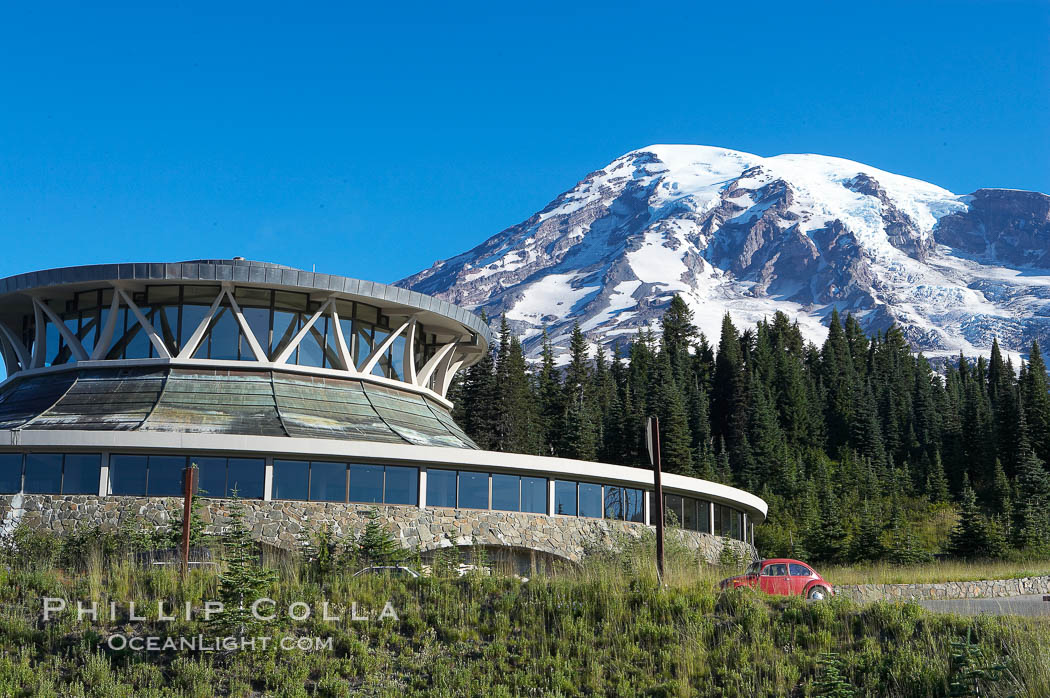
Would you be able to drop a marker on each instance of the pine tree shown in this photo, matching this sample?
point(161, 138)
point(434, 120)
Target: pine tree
point(729, 396)
point(969, 537)
point(375, 545)
point(550, 397)
point(243, 579)
point(1032, 528)
point(678, 334)
point(1036, 395)
point(580, 435)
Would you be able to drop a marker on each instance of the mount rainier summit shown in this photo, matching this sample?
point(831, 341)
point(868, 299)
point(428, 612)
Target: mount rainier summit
point(731, 231)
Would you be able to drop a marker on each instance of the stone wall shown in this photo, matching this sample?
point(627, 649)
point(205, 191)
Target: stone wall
point(289, 524)
point(990, 588)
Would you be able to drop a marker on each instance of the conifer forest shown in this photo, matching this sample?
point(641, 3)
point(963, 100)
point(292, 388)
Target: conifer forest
point(863, 450)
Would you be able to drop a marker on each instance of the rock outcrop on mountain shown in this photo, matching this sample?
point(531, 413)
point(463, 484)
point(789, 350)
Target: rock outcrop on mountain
point(731, 231)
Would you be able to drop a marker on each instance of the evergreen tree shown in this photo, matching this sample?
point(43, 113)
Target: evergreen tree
point(728, 398)
point(1032, 528)
point(243, 579)
point(1036, 397)
point(579, 435)
point(969, 538)
point(376, 546)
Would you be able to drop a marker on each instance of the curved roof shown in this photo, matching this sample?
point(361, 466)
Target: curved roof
point(243, 271)
point(226, 401)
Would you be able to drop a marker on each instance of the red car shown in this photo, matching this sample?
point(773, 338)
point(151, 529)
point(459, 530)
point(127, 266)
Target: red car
point(782, 577)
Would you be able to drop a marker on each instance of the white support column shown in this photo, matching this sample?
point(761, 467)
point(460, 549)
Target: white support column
point(40, 340)
point(345, 354)
point(16, 346)
point(198, 334)
point(147, 326)
point(550, 497)
point(711, 517)
point(373, 358)
point(440, 358)
point(423, 488)
point(106, 338)
point(253, 341)
point(408, 357)
point(268, 480)
point(283, 356)
point(103, 476)
point(450, 373)
point(647, 507)
point(75, 347)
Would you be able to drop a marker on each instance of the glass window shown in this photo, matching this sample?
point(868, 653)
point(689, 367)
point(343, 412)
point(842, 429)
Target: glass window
point(165, 476)
point(689, 514)
point(397, 358)
point(127, 475)
point(402, 485)
point(224, 337)
point(327, 482)
point(613, 502)
point(565, 498)
point(44, 473)
point(362, 344)
point(246, 476)
point(590, 500)
point(10, 473)
point(506, 492)
point(534, 495)
point(80, 473)
point(672, 510)
point(473, 490)
point(800, 570)
point(366, 483)
point(258, 320)
point(192, 317)
point(441, 488)
point(777, 569)
point(634, 505)
point(137, 344)
point(738, 525)
point(703, 516)
point(290, 479)
point(211, 476)
point(311, 349)
point(285, 327)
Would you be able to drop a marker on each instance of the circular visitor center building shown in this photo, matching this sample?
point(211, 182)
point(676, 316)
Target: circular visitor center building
point(316, 398)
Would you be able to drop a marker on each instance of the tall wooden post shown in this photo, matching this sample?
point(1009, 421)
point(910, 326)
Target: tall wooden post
point(189, 486)
point(652, 440)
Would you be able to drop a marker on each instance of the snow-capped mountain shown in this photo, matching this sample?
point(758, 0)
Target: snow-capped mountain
point(732, 231)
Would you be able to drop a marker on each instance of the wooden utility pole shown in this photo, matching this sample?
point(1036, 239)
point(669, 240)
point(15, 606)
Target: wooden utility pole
point(189, 486)
point(652, 440)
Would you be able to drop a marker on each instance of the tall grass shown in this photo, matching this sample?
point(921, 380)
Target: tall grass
point(607, 627)
point(933, 572)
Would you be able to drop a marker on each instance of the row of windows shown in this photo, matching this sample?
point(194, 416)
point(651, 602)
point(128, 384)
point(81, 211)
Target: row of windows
point(598, 501)
point(274, 317)
point(327, 481)
point(50, 473)
point(472, 490)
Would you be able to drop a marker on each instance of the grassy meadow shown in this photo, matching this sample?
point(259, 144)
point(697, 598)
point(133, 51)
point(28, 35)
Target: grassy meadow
point(606, 628)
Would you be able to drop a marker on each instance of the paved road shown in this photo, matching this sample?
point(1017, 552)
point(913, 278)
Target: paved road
point(1012, 605)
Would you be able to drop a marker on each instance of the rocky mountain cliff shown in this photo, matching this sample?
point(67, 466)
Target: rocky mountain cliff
point(732, 231)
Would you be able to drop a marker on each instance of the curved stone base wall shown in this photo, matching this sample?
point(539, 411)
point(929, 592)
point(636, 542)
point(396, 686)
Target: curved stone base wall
point(291, 524)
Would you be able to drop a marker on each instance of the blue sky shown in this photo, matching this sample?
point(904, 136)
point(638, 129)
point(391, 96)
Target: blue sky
point(371, 142)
